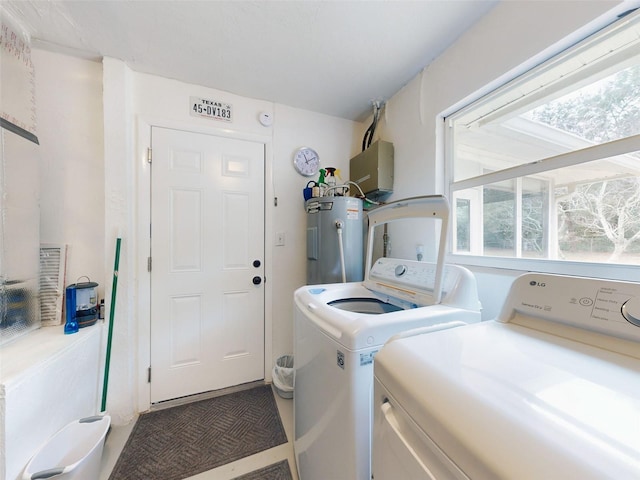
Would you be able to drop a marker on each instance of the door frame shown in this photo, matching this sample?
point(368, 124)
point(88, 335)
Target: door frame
point(143, 246)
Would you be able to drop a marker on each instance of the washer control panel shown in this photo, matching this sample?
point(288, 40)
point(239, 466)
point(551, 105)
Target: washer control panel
point(606, 306)
point(410, 280)
point(408, 273)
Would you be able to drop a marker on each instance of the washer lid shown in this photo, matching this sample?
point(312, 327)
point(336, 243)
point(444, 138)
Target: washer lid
point(428, 206)
point(506, 401)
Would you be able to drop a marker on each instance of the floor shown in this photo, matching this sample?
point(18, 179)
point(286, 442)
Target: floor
point(118, 437)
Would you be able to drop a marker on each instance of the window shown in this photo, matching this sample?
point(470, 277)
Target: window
point(548, 166)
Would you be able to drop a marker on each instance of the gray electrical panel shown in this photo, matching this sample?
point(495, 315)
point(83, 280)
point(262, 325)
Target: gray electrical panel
point(372, 170)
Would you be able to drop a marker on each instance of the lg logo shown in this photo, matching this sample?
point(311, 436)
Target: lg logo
point(533, 283)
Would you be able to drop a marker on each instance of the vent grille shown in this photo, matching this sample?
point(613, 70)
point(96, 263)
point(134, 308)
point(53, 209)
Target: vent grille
point(53, 259)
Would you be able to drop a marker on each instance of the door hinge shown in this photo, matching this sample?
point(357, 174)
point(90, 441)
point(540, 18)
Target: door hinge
point(149, 375)
point(148, 264)
point(149, 155)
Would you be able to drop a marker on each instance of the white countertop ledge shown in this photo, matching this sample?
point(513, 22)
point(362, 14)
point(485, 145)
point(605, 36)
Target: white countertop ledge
point(26, 355)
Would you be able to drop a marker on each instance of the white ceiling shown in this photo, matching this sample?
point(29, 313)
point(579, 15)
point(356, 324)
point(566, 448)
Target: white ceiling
point(333, 57)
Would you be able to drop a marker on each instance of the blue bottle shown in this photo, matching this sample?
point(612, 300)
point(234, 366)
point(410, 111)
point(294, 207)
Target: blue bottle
point(71, 326)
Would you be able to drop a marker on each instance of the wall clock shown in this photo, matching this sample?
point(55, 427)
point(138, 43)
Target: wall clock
point(306, 161)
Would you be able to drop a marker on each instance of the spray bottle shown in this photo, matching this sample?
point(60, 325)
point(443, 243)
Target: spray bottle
point(321, 183)
point(331, 181)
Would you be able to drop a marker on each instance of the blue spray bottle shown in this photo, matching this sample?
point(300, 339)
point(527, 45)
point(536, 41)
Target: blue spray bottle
point(72, 323)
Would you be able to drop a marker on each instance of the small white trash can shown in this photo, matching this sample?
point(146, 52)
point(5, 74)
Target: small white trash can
point(283, 376)
point(75, 452)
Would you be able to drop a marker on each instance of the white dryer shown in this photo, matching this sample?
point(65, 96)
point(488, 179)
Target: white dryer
point(548, 390)
point(340, 327)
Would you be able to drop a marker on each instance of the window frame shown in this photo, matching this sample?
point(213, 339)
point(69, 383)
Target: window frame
point(519, 172)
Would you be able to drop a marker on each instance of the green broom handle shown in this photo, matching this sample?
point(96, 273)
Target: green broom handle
point(110, 335)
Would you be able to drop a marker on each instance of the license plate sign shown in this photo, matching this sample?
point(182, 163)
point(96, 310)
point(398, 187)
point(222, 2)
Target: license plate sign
point(202, 107)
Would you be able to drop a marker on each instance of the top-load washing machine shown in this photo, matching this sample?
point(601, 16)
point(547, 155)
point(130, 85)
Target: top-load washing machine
point(340, 327)
point(549, 390)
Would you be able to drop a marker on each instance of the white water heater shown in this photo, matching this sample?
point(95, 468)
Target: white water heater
point(335, 240)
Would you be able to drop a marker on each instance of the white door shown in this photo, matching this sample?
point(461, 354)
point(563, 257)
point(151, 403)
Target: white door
point(207, 250)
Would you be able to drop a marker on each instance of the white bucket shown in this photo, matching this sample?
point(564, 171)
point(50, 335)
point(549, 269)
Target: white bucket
point(75, 452)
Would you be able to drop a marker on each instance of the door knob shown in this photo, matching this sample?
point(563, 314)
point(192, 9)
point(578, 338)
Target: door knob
point(257, 280)
point(256, 263)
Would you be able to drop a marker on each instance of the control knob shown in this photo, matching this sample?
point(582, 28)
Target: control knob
point(631, 311)
point(400, 270)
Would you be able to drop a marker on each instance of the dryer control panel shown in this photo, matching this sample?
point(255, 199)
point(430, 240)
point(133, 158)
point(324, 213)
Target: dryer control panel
point(605, 306)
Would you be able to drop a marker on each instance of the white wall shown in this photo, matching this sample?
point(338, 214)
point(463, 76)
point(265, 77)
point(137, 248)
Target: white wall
point(498, 47)
point(120, 220)
point(69, 105)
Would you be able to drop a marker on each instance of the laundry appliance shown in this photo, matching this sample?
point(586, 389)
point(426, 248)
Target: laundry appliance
point(339, 328)
point(550, 389)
